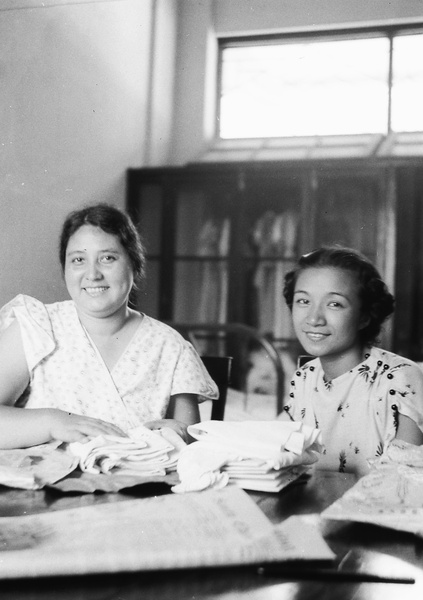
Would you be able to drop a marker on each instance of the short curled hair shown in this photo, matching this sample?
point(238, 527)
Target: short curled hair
point(377, 303)
point(113, 221)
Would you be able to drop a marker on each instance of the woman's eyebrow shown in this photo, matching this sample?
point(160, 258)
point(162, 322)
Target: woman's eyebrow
point(340, 294)
point(110, 250)
point(69, 252)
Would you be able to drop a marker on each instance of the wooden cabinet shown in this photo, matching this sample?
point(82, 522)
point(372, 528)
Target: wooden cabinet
point(220, 237)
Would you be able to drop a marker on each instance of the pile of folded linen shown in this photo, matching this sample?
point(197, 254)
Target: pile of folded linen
point(143, 452)
point(254, 455)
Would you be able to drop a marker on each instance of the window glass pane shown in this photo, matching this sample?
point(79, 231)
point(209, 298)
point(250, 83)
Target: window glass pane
point(305, 88)
point(407, 88)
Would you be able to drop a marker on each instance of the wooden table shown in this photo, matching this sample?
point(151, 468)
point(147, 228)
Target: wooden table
point(359, 547)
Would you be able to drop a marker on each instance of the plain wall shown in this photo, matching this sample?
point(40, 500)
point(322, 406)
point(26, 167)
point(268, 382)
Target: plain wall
point(78, 87)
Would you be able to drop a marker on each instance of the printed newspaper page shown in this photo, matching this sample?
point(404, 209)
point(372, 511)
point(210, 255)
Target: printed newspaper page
point(391, 495)
point(210, 528)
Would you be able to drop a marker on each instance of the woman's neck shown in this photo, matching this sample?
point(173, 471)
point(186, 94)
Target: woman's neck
point(108, 326)
point(111, 335)
point(335, 366)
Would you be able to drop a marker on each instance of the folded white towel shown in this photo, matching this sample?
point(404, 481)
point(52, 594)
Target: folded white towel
point(143, 451)
point(253, 454)
point(270, 440)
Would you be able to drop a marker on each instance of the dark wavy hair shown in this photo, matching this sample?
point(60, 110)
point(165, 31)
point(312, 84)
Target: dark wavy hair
point(111, 220)
point(377, 303)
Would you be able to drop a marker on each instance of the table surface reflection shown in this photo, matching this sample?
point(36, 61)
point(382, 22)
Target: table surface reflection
point(360, 548)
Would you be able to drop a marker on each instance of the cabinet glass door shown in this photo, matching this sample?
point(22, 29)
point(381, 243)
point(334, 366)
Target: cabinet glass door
point(270, 247)
point(202, 249)
point(149, 214)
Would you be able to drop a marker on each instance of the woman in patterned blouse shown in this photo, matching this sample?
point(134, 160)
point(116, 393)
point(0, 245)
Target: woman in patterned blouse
point(92, 365)
point(361, 397)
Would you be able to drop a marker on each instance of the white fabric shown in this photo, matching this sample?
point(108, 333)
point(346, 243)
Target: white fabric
point(143, 451)
point(357, 412)
point(68, 373)
point(259, 455)
point(268, 440)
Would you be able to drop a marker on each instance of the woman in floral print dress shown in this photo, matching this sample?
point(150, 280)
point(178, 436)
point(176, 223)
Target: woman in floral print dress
point(361, 397)
point(92, 365)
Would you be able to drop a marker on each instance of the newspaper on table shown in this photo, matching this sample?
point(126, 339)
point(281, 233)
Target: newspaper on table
point(210, 528)
point(391, 495)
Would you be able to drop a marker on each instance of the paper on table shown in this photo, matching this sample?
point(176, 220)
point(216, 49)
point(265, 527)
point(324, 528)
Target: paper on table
point(33, 468)
point(391, 495)
point(210, 528)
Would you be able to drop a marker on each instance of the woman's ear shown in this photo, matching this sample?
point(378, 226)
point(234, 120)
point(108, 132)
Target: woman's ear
point(364, 321)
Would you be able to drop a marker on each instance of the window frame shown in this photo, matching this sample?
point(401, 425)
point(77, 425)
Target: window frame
point(389, 31)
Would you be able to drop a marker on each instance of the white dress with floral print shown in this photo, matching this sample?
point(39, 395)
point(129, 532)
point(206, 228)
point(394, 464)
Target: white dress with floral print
point(67, 372)
point(357, 412)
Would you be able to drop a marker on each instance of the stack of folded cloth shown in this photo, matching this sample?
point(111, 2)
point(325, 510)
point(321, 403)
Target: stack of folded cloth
point(254, 455)
point(143, 452)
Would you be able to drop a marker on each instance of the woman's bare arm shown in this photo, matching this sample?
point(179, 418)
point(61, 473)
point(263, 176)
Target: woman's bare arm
point(21, 428)
point(184, 407)
point(14, 373)
point(408, 431)
point(24, 427)
point(182, 411)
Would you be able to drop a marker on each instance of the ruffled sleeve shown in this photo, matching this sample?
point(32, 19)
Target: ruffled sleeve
point(191, 376)
point(35, 325)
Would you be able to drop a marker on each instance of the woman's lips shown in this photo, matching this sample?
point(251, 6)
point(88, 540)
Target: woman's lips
point(316, 337)
point(96, 291)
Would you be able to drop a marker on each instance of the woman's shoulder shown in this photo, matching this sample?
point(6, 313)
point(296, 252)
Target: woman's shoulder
point(37, 311)
point(308, 370)
point(20, 304)
point(32, 303)
point(389, 359)
point(20, 300)
point(162, 329)
point(394, 370)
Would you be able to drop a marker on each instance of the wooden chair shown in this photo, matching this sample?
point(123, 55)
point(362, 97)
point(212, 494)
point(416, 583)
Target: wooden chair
point(219, 369)
point(233, 339)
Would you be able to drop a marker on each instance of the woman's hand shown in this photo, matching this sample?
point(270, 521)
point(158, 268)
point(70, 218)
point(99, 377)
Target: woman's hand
point(178, 426)
point(182, 411)
point(69, 427)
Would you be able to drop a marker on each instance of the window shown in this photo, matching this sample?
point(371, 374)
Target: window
point(407, 84)
point(362, 83)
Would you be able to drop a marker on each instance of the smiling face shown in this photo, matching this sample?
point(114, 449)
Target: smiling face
point(327, 317)
point(98, 272)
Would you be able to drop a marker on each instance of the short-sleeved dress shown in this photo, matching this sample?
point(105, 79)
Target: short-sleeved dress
point(67, 371)
point(357, 412)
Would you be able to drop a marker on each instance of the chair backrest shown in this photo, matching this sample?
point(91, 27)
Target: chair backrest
point(219, 369)
point(234, 339)
point(303, 359)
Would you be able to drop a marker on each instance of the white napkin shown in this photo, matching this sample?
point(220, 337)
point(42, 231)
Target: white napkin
point(259, 455)
point(143, 451)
